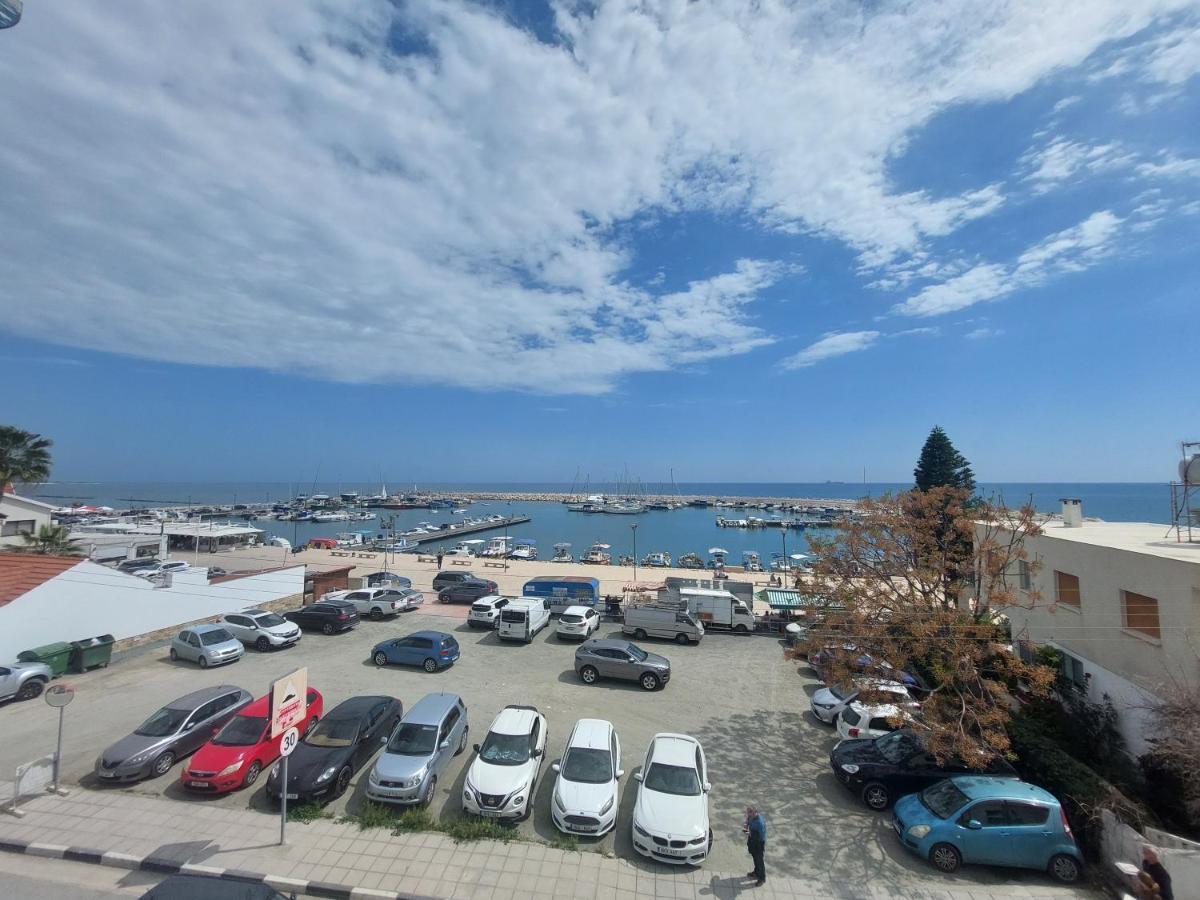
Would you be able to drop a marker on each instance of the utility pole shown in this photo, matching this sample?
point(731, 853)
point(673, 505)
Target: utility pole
point(633, 528)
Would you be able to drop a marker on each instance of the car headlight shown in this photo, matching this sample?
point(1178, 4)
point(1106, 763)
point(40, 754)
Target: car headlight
point(139, 757)
point(327, 774)
point(640, 830)
point(700, 840)
point(849, 768)
point(373, 778)
point(230, 769)
point(558, 804)
point(417, 778)
point(607, 806)
point(918, 831)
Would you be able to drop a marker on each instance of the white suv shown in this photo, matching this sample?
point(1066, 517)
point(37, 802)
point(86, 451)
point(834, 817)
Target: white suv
point(485, 612)
point(503, 776)
point(261, 630)
point(670, 816)
point(585, 793)
point(578, 622)
point(872, 720)
point(161, 568)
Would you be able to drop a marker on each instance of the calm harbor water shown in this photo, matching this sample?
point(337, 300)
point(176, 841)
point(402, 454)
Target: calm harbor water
point(674, 531)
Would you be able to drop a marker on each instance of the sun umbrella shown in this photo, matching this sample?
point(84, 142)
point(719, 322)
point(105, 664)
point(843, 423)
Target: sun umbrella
point(712, 551)
point(799, 556)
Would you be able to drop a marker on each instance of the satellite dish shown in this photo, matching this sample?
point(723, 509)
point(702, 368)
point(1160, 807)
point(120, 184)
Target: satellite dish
point(10, 13)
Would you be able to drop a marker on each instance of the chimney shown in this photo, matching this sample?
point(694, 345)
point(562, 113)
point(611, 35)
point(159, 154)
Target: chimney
point(1072, 513)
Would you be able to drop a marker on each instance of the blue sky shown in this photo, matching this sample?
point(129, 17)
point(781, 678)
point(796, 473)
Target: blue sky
point(459, 241)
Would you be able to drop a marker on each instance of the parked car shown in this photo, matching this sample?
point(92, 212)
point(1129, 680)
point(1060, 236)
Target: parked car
point(346, 738)
point(614, 658)
point(662, 620)
point(374, 603)
point(861, 662)
point(176, 730)
point(670, 815)
point(238, 753)
point(578, 622)
point(408, 598)
point(871, 720)
point(431, 650)
point(216, 572)
point(503, 776)
point(881, 769)
point(446, 579)
point(828, 702)
point(467, 591)
point(160, 568)
point(584, 800)
point(328, 617)
point(261, 630)
point(23, 681)
point(522, 619)
point(418, 751)
point(129, 566)
point(485, 612)
point(206, 645)
point(983, 819)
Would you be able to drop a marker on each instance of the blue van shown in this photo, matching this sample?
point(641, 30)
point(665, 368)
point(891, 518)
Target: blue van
point(559, 592)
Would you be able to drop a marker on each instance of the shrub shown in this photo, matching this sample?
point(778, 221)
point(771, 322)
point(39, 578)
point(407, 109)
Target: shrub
point(462, 830)
point(306, 813)
point(372, 815)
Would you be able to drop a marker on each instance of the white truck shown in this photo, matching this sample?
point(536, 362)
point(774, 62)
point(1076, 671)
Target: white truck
point(718, 609)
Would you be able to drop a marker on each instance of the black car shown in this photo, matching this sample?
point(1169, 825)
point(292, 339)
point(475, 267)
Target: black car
point(467, 591)
point(329, 616)
point(881, 769)
point(446, 579)
point(321, 766)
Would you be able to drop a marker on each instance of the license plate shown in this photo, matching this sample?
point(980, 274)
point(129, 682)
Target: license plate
point(199, 784)
point(293, 796)
point(489, 812)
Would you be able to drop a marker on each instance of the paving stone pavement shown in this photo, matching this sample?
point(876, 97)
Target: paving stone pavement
point(375, 863)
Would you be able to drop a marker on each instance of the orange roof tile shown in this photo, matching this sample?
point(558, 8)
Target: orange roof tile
point(22, 572)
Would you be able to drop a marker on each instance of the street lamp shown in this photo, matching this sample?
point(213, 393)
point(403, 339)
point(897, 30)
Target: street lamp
point(787, 566)
point(633, 528)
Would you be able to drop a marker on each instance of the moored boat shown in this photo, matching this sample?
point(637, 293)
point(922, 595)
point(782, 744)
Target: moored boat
point(657, 560)
point(598, 554)
point(562, 553)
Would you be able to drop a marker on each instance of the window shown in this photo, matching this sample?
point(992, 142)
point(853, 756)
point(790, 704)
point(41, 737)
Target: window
point(1024, 575)
point(1072, 671)
point(988, 813)
point(1141, 614)
point(1027, 813)
point(24, 526)
point(1066, 588)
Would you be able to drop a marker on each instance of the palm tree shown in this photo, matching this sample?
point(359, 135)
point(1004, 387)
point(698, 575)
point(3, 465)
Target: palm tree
point(52, 540)
point(24, 456)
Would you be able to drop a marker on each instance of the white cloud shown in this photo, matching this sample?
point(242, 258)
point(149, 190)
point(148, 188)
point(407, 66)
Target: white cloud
point(1171, 166)
point(978, 334)
point(1070, 250)
point(1066, 103)
point(270, 186)
point(835, 343)
point(1062, 159)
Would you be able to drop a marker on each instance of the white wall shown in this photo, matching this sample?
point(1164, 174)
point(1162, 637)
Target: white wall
point(21, 509)
point(1180, 857)
point(1130, 701)
point(90, 599)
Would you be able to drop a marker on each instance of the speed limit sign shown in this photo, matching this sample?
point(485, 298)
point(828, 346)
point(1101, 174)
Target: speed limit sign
point(288, 742)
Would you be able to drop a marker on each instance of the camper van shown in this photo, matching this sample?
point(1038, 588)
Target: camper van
point(672, 621)
point(562, 592)
point(522, 618)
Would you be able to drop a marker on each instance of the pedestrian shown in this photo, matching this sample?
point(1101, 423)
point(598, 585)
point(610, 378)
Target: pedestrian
point(439, 558)
point(755, 830)
point(1152, 867)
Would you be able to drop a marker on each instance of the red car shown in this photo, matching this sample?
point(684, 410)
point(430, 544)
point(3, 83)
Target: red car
point(240, 751)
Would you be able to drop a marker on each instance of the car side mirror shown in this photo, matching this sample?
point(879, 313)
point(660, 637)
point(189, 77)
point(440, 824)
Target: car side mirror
point(637, 776)
point(620, 772)
point(554, 767)
point(444, 745)
point(475, 747)
point(706, 787)
point(537, 754)
point(974, 824)
point(383, 740)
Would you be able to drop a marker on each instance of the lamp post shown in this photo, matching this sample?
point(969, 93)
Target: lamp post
point(633, 528)
point(787, 566)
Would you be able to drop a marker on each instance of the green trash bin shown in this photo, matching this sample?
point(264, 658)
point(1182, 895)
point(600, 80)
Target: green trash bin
point(56, 656)
point(91, 653)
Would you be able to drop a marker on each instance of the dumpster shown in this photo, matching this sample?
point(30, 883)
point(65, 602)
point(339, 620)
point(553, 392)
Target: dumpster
point(56, 656)
point(91, 652)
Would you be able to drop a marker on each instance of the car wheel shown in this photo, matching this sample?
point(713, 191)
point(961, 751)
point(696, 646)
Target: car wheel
point(343, 781)
point(649, 681)
point(203, 661)
point(163, 764)
point(430, 665)
point(252, 773)
point(742, 629)
point(174, 656)
point(876, 796)
point(640, 634)
point(589, 674)
point(327, 628)
point(380, 658)
point(1064, 868)
point(262, 645)
point(30, 689)
point(444, 598)
point(429, 792)
point(681, 638)
point(462, 745)
point(945, 858)
point(376, 614)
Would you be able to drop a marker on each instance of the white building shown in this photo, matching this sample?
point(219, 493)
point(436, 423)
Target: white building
point(1121, 600)
point(20, 516)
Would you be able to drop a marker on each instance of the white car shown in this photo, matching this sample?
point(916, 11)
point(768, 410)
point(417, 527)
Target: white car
point(828, 703)
point(503, 776)
point(485, 612)
point(578, 622)
point(670, 816)
point(585, 793)
point(862, 720)
point(375, 603)
point(260, 629)
point(161, 568)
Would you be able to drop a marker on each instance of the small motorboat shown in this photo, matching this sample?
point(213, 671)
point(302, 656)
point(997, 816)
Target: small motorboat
point(657, 560)
point(562, 554)
point(598, 554)
point(524, 548)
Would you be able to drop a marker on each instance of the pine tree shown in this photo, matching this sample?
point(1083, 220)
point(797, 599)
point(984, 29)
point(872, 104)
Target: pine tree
point(941, 465)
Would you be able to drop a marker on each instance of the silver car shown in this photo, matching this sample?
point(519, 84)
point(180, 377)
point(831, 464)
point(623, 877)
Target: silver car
point(429, 735)
point(23, 681)
point(261, 630)
point(612, 658)
point(178, 729)
point(208, 645)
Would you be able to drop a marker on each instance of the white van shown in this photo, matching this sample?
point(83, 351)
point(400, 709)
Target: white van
point(671, 621)
point(522, 618)
point(485, 612)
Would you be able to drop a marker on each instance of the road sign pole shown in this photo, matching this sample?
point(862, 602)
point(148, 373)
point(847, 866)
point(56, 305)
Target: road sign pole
point(58, 696)
point(58, 750)
point(283, 781)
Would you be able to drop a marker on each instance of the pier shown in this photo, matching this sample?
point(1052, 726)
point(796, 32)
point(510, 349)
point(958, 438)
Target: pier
point(454, 531)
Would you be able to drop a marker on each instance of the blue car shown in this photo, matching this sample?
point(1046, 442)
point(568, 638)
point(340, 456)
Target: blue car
point(991, 820)
point(431, 650)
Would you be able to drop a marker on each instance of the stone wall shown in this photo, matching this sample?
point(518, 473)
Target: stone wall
point(163, 634)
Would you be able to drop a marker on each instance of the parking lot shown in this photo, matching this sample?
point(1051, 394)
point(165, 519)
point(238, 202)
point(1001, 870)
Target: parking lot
point(736, 694)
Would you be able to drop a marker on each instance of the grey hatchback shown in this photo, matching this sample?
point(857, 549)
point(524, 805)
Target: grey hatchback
point(614, 658)
point(431, 732)
point(208, 645)
point(178, 729)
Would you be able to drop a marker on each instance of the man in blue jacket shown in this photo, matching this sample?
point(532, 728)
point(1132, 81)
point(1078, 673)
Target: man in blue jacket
point(755, 830)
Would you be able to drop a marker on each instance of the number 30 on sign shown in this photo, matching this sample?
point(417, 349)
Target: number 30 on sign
point(288, 742)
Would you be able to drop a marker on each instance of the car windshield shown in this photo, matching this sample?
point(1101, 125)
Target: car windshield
point(165, 721)
point(570, 619)
point(943, 799)
point(270, 620)
point(637, 652)
point(672, 780)
point(505, 749)
point(241, 731)
point(895, 747)
point(843, 692)
point(587, 765)
point(411, 739)
point(217, 636)
point(333, 733)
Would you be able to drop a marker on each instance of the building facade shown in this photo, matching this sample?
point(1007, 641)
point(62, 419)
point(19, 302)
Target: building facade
point(20, 516)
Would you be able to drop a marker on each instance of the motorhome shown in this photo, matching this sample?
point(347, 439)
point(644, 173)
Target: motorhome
point(522, 618)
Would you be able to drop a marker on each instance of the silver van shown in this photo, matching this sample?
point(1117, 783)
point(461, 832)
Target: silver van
point(419, 749)
point(673, 623)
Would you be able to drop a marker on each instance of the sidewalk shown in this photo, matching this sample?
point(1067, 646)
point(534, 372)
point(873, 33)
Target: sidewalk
point(333, 860)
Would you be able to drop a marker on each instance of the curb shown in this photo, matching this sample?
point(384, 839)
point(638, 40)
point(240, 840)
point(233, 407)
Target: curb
point(164, 866)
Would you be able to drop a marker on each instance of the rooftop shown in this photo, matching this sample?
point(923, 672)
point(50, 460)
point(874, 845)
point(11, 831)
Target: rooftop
point(1135, 537)
point(22, 572)
point(184, 529)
